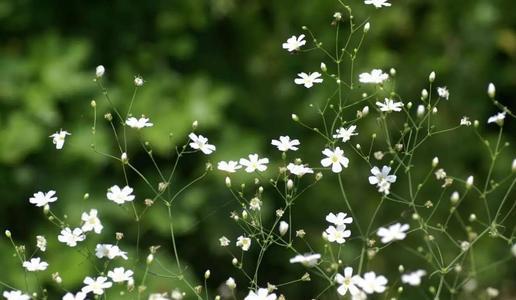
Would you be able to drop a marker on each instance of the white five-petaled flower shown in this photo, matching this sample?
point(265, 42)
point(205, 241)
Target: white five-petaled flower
point(254, 163)
point(120, 275)
point(41, 243)
point(307, 260)
point(120, 196)
point(78, 296)
point(337, 235)
point(340, 220)
point(378, 3)
point(260, 294)
point(58, 138)
point(443, 92)
point(335, 159)
point(382, 179)
point(138, 123)
point(97, 285)
point(91, 222)
point(285, 143)
point(345, 134)
point(389, 105)
point(376, 76)
point(370, 283)
point(15, 295)
point(294, 43)
point(348, 282)
point(299, 170)
point(199, 142)
point(498, 118)
point(243, 242)
point(395, 232)
point(109, 251)
point(229, 166)
point(309, 79)
point(71, 237)
point(224, 241)
point(413, 278)
point(41, 199)
point(35, 264)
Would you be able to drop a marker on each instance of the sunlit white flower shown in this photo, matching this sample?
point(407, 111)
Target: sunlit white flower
point(243, 242)
point(285, 143)
point(58, 138)
point(335, 159)
point(71, 237)
point(309, 79)
point(199, 142)
point(255, 204)
point(41, 199)
point(299, 170)
point(260, 294)
point(348, 282)
point(224, 241)
point(340, 220)
point(370, 283)
point(498, 118)
point(109, 251)
point(99, 71)
point(337, 235)
point(395, 232)
point(35, 264)
point(97, 285)
point(229, 166)
point(120, 196)
point(91, 222)
point(376, 76)
point(443, 92)
point(294, 43)
point(78, 296)
point(307, 260)
point(138, 123)
point(120, 275)
point(413, 278)
point(41, 243)
point(382, 179)
point(378, 3)
point(345, 134)
point(15, 295)
point(231, 283)
point(389, 105)
point(254, 163)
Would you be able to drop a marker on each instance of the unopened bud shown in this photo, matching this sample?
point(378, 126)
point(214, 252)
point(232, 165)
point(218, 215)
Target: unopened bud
point(472, 218)
point(150, 258)
point(491, 90)
point(455, 197)
point(435, 161)
point(420, 110)
point(195, 124)
point(469, 182)
point(93, 103)
point(323, 67)
point(234, 261)
point(138, 81)
point(207, 274)
point(295, 118)
point(124, 158)
point(392, 71)
point(99, 71)
point(283, 228)
point(431, 77)
point(8, 234)
point(290, 184)
point(367, 26)
point(228, 182)
point(513, 167)
point(424, 94)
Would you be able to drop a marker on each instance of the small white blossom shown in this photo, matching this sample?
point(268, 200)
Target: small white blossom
point(15, 295)
point(376, 76)
point(382, 179)
point(109, 251)
point(41, 243)
point(71, 237)
point(285, 143)
point(389, 105)
point(91, 222)
point(243, 242)
point(224, 241)
point(120, 275)
point(395, 232)
point(260, 294)
point(294, 43)
point(255, 204)
point(309, 79)
point(97, 285)
point(378, 3)
point(58, 138)
point(370, 283)
point(413, 278)
point(337, 235)
point(340, 219)
point(254, 163)
point(348, 282)
point(138, 81)
point(443, 92)
point(41, 199)
point(138, 123)
point(345, 134)
point(465, 121)
point(307, 260)
point(199, 142)
point(229, 166)
point(99, 71)
point(231, 283)
point(440, 174)
point(120, 196)
point(35, 264)
point(498, 119)
point(335, 159)
point(299, 170)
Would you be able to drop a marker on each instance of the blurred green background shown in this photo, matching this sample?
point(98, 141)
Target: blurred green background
point(220, 62)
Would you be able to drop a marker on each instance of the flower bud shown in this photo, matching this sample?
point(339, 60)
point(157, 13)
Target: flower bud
point(93, 103)
point(513, 167)
point(207, 274)
point(231, 283)
point(283, 228)
point(472, 218)
point(367, 26)
point(234, 261)
point(420, 110)
point(150, 258)
point(295, 118)
point(431, 77)
point(469, 182)
point(491, 90)
point(8, 234)
point(195, 124)
point(435, 161)
point(424, 94)
point(138, 81)
point(99, 71)
point(392, 71)
point(365, 111)
point(124, 158)
point(228, 181)
point(323, 67)
point(409, 105)
point(455, 197)
point(290, 184)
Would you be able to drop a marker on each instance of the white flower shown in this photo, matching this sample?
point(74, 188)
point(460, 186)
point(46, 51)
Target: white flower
point(299, 170)
point(138, 123)
point(41, 199)
point(58, 138)
point(91, 222)
point(389, 105)
point(307, 260)
point(443, 92)
point(120, 196)
point(199, 142)
point(229, 166)
point(78, 296)
point(231, 283)
point(120, 275)
point(382, 179)
point(371, 283)
point(378, 3)
point(498, 118)
point(224, 241)
point(97, 285)
point(260, 294)
point(109, 251)
point(345, 134)
point(255, 204)
point(243, 242)
point(335, 158)
point(254, 163)
point(440, 174)
point(339, 220)
point(465, 121)
point(35, 264)
point(138, 81)
point(41, 243)
point(294, 43)
point(413, 278)
point(376, 76)
point(395, 232)
point(99, 71)
point(285, 143)
point(309, 79)
point(337, 235)
point(347, 282)
point(71, 237)
point(15, 295)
